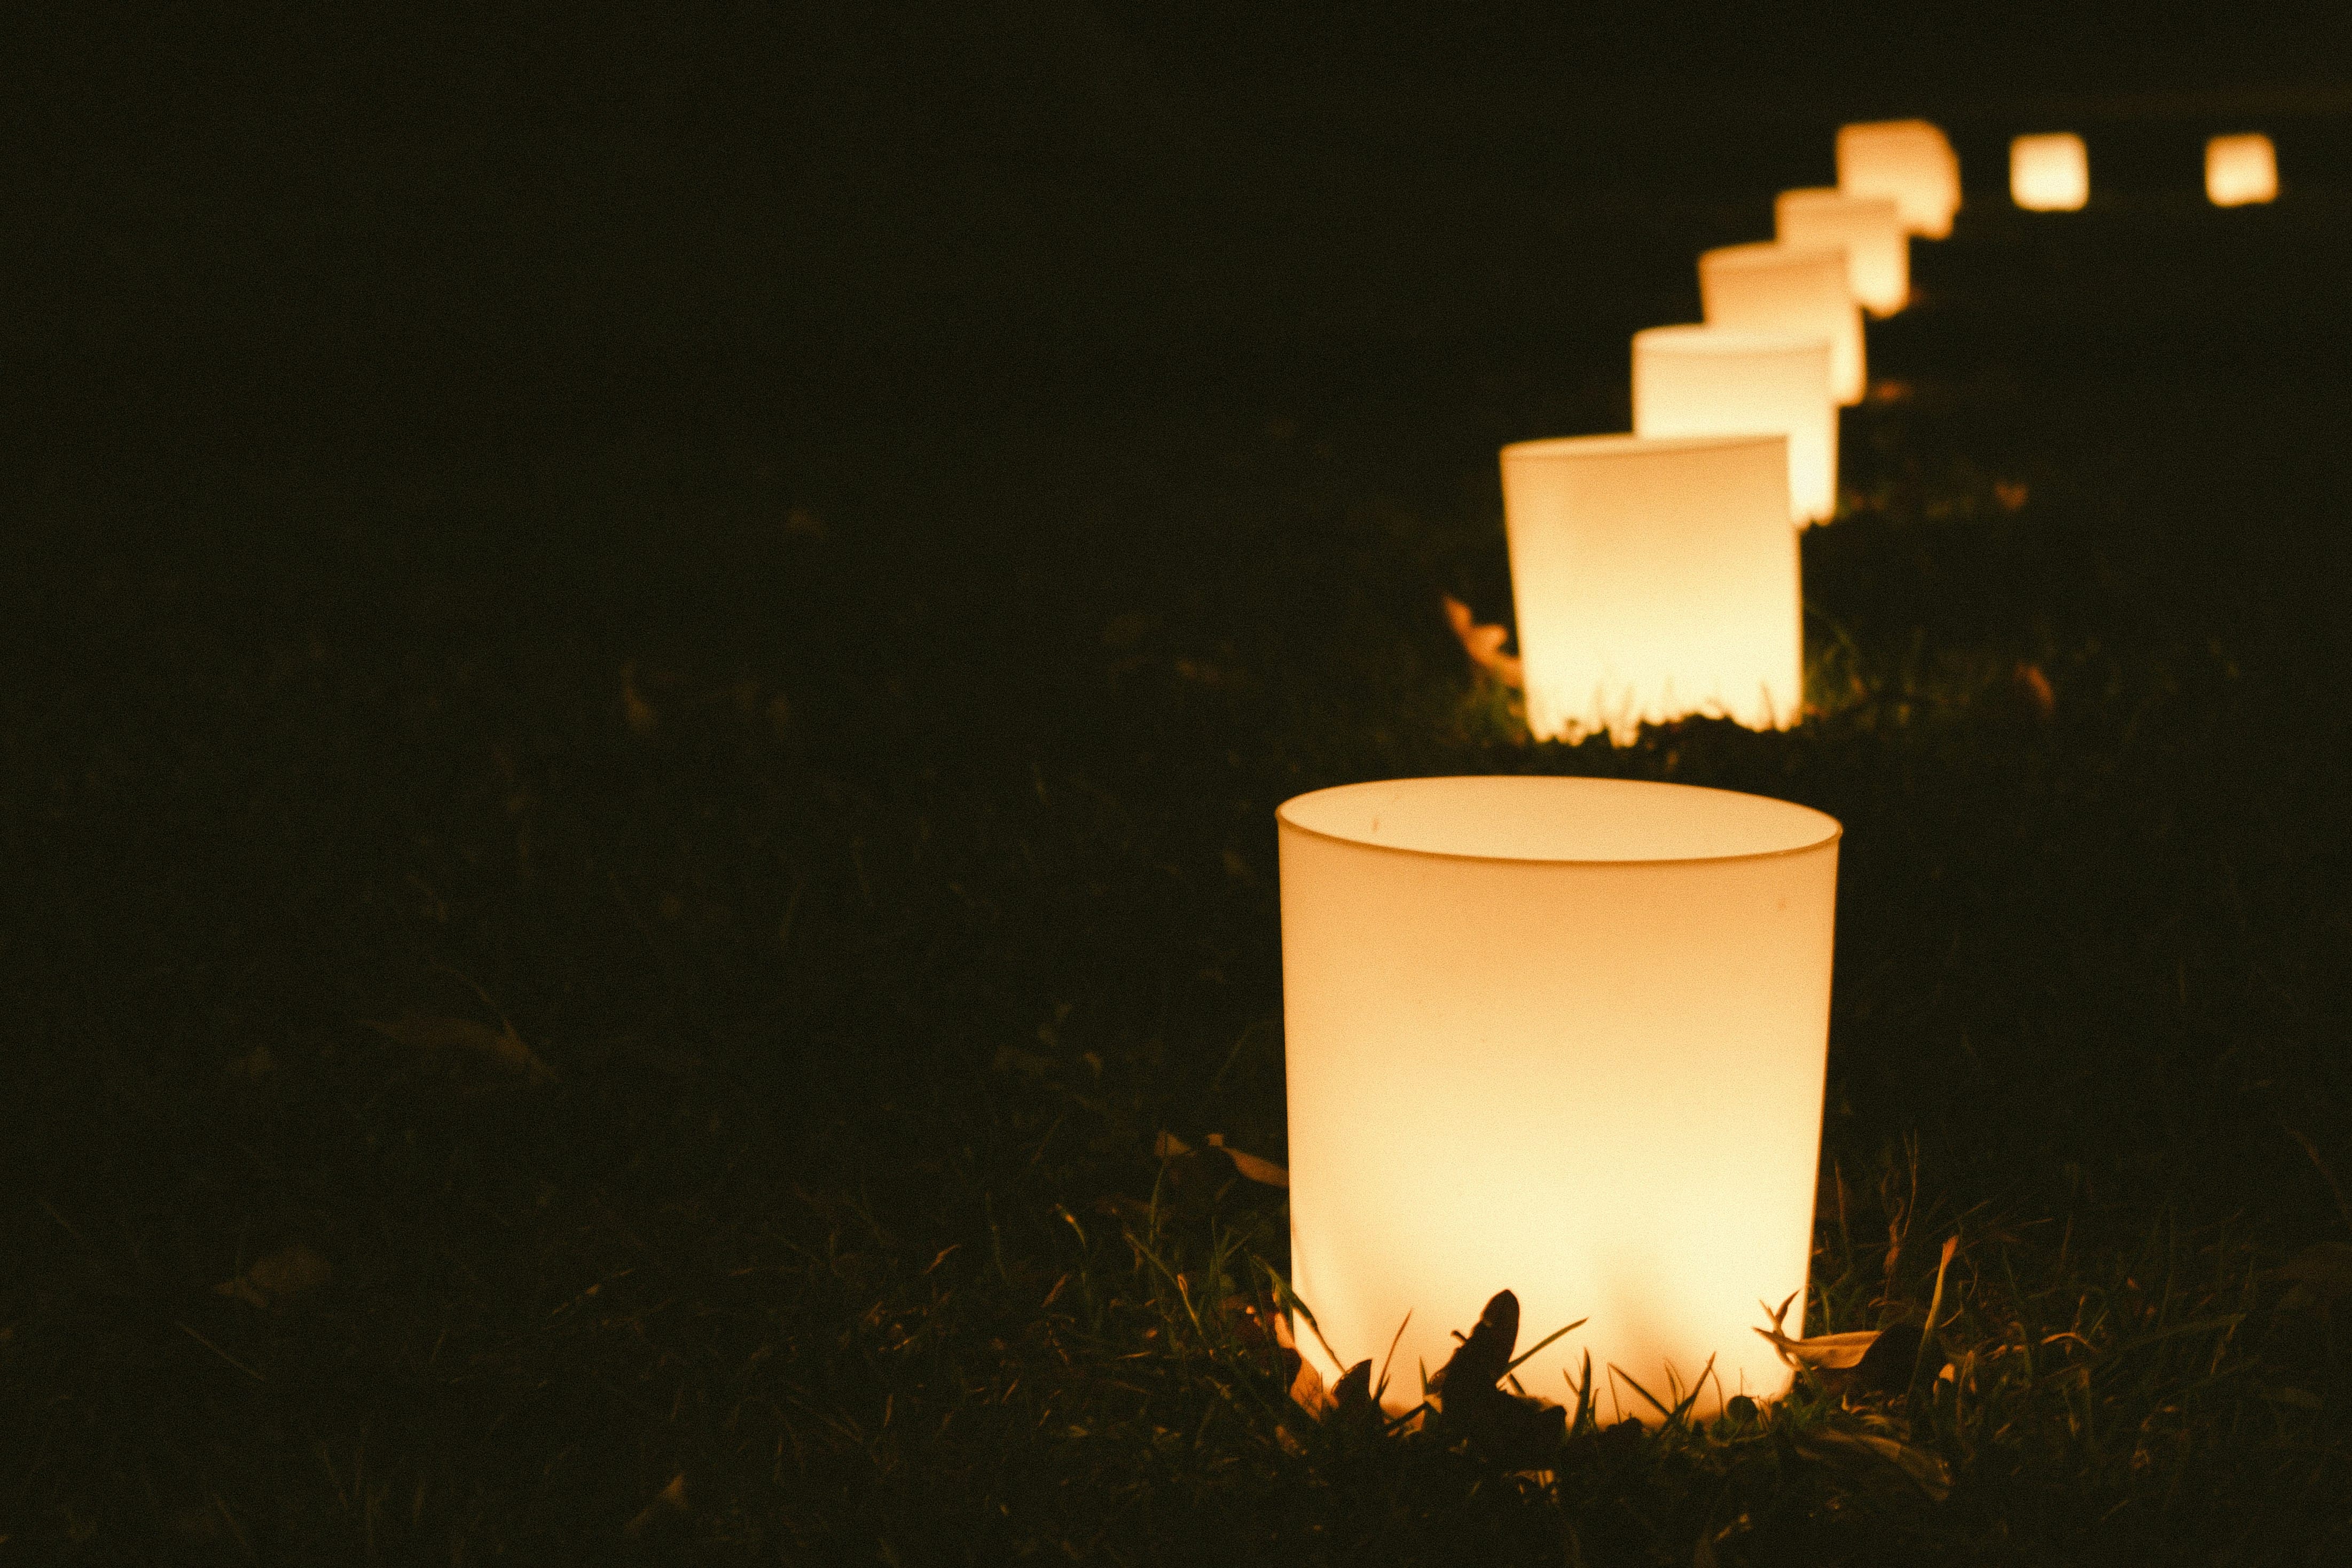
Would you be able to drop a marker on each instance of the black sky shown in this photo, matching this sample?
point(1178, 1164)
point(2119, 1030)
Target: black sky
point(317, 190)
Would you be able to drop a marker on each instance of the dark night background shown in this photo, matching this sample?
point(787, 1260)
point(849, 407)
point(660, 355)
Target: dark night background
point(791, 551)
point(813, 205)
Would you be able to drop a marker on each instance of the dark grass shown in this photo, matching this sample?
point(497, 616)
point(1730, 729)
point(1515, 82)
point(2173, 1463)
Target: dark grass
point(943, 880)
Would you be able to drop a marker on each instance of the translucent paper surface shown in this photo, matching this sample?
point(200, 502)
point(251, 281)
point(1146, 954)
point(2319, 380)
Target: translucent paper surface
point(2239, 171)
point(1720, 381)
point(1909, 160)
point(1565, 1037)
point(1869, 229)
point(1797, 290)
point(1654, 578)
point(2049, 173)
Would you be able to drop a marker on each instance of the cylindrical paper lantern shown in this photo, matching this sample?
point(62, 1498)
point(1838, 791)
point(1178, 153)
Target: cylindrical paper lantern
point(1720, 381)
point(1563, 1036)
point(2241, 170)
point(1798, 289)
point(1909, 160)
point(2049, 173)
point(1869, 229)
point(1654, 578)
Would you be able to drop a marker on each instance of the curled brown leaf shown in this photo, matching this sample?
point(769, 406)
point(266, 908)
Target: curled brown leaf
point(501, 1044)
point(1306, 1390)
point(1479, 1362)
point(643, 719)
point(1484, 644)
point(277, 1279)
point(670, 1500)
point(1824, 1352)
point(2035, 688)
point(1264, 1172)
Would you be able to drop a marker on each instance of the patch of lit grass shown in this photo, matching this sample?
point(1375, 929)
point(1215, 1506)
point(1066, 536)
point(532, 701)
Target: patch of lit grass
point(870, 923)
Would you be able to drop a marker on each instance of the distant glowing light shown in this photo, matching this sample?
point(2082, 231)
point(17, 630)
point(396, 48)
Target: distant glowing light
point(2241, 170)
point(1909, 160)
point(2049, 173)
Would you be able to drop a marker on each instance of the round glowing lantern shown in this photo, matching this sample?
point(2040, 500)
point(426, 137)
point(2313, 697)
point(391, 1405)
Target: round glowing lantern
point(1908, 160)
point(1797, 290)
point(1654, 578)
point(2049, 173)
point(1869, 229)
point(2241, 170)
point(1565, 1037)
point(1720, 381)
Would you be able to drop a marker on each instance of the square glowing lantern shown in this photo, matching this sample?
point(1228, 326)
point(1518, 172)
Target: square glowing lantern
point(1909, 160)
point(1800, 291)
point(1654, 578)
point(1565, 1037)
point(1720, 381)
point(1869, 229)
point(2049, 173)
point(2241, 170)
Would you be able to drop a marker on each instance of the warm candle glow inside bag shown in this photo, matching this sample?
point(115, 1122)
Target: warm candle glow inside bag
point(1654, 578)
point(1801, 291)
point(2049, 173)
point(1909, 160)
point(1720, 381)
point(1563, 1036)
point(1869, 229)
point(2241, 170)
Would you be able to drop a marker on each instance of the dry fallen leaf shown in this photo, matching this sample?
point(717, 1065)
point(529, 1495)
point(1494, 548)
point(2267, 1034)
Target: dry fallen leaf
point(2035, 686)
point(1875, 1361)
point(1203, 672)
point(1824, 1352)
point(2321, 1275)
point(1828, 1353)
point(1477, 1363)
point(1484, 644)
point(1515, 1431)
point(1264, 1172)
point(503, 1046)
point(642, 720)
point(1013, 1059)
point(1306, 1390)
point(1352, 1395)
point(280, 1278)
point(670, 1499)
point(2298, 1398)
point(1121, 633)
point(1166, 1146)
